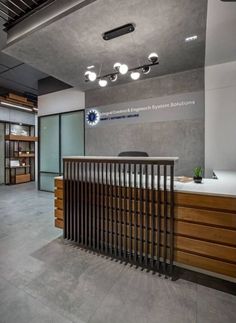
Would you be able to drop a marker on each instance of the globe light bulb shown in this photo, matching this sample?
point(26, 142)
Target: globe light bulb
point(113, 77)
point(153, 57)
point(117, 66)
point(92, 76)
point(135, 75)
point(123, 69)
point(146, 69)
point(102, 82)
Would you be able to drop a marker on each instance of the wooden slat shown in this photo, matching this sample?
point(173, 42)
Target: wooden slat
point(58, 213)
point(208, 233)
point(59, 224)
point(212, 265)
point(58, 203)
point(209, 249)
point(59, 193)
point(16, 97)
point(209, 217)
point(59, 183)
point(205, 201)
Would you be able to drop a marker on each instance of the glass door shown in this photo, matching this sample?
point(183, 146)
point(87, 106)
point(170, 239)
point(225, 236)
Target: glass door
point(72, 135)
point(60, 135)
point(49, 152)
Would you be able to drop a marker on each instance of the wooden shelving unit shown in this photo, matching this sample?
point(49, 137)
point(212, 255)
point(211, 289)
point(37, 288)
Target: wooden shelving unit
point(19, 153)
point(21, 138)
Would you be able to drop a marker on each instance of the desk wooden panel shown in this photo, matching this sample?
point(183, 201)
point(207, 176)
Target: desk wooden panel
point(204, 228)
point(58, 203)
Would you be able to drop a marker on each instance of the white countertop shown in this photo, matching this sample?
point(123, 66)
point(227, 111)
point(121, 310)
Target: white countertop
point(225, 185)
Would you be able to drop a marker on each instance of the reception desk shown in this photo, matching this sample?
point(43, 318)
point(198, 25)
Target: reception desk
point(140, 215)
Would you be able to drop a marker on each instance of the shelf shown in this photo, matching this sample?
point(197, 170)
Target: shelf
point(23, 178)
point(21, 138)
point(19, 149)
point(13, 167)
point(25, 156)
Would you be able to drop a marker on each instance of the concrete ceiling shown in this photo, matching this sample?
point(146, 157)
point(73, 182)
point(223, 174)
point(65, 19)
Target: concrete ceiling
point(67, 46)
point(221, 32)
point(15, 75)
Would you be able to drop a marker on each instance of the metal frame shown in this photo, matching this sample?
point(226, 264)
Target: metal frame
point(138, 217)
point(59, 143)
point(5, 148)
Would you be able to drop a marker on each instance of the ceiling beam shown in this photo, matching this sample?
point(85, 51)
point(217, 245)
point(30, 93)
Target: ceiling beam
point(8, 8)
point(26, 4)
point(18, 7)
point(6, 14)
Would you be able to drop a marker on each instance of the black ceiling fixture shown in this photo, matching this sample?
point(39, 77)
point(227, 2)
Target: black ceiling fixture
point(122, 69)
point(119, 31)
point(14, 11)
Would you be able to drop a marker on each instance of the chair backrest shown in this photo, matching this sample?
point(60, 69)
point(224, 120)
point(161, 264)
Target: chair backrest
point(133, 154)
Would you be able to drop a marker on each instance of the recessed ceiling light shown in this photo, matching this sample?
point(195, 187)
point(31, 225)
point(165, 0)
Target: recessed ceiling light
point(90, 67)
point(191, 38)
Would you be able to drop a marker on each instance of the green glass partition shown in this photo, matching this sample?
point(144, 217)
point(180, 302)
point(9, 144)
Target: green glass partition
point(60, 135)
point(49, 144)
point(72, 135)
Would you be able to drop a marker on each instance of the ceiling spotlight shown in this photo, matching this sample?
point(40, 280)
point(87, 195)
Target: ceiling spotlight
point(135, 75)
point(191, 38)
point(90, 67)
point(113, 77)
point(92, 76)
point(153, 58)
point(146, 69)
point(102, 82)
point(117, 66)
point(123, 69)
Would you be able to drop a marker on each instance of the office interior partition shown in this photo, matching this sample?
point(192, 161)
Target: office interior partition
point(60, 135)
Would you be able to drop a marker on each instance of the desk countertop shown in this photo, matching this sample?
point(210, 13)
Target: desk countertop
point(224, 185)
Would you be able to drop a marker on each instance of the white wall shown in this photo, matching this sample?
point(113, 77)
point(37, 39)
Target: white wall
point(62, 101)
point(220, 118)
point(220, 33)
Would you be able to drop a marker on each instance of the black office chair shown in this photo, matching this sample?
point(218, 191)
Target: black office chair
point(133, 154)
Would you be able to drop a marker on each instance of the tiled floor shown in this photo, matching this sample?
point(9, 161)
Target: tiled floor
point(43, 279)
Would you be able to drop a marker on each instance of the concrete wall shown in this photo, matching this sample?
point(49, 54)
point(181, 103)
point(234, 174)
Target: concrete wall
point(183, 138)
point(220, 117)
point(61, 101)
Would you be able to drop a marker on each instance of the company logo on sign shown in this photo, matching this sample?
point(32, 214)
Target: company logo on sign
point(93, 117)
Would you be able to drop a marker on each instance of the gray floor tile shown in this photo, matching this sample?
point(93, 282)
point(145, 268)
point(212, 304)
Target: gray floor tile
point(214, 306)
point(18, 307)
point(145, 298)
point(44, 279)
